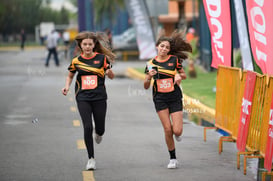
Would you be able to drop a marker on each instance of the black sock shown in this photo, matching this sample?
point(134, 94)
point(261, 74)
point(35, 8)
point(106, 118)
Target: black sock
point(172, 154)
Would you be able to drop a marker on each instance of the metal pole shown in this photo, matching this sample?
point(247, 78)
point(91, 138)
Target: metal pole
point(81, 15)
point(88, 20)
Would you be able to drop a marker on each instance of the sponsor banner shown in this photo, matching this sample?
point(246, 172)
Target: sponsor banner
point(243, 35)
point(259, 13)
point(269, 145)
point(246, 110)
point(144, 33)
point(219, 21)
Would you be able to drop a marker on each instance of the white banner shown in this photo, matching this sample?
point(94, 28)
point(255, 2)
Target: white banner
point(243, 36)
point(144, 33)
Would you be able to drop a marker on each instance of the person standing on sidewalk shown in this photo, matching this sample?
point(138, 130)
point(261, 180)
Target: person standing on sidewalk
point(52, 42)
point(167, 71)
point(91, 67)
point(23, 39)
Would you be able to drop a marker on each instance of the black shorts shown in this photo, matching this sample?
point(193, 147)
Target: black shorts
point(173, 106)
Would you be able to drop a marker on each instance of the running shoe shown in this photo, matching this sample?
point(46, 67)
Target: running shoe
point(172, 164)
point(178, 138)
point(98, 138)
point(91, 164)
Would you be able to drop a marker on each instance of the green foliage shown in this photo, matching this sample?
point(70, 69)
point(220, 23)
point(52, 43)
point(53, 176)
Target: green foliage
point(74, 2)
point(257, 68)
point(237, 62)
point(106, 8)
point(195, 51)
point(18, 14)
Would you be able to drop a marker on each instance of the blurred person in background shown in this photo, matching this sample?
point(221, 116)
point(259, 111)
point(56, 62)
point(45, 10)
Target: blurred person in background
point(66, 38)
point(22, 38)
point(52, 43)
point(190, 35)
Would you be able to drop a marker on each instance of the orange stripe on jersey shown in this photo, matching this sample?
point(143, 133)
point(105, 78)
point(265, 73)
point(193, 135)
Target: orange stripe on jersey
point(105, 63)
point(87, 68)
point(168, 72)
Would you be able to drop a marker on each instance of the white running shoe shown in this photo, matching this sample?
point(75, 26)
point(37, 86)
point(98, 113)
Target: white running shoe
point(178, 138)
point(172, 164)
point(98, 138)
point(91, 164)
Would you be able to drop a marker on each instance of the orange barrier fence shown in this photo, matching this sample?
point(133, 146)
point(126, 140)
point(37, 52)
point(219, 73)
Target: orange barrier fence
point(229, 93)
point(256, 121)
point(266, 113)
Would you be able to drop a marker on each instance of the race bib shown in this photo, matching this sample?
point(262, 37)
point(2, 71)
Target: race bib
point(89, 82)
point(165, 85)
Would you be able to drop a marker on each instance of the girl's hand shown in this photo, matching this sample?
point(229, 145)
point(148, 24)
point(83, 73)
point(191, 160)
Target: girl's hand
point(65, 91)
point(152, 72)
point(177, 79)
point(110, 73)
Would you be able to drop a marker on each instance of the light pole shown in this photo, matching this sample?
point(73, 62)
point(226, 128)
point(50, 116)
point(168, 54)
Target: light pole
point(85, 15)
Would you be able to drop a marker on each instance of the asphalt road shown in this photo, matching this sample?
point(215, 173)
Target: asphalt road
point(40, 140)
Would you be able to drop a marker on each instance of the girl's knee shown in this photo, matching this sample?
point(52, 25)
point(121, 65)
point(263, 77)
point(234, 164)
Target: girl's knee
point(178, 131)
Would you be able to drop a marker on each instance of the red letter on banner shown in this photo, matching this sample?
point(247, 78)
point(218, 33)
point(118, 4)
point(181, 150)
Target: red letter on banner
point(259, 13)
point(246, 110)
point(269, 145)
point(218, 16)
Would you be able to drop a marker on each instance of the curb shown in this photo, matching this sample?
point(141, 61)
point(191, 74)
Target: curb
point(191, 105)
point(18, 48)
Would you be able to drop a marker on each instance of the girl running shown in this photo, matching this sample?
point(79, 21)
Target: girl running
point(167, 71)
point(91, 67)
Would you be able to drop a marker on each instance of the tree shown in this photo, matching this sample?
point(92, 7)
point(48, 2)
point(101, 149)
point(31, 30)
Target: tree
point(16, 14)
point(107, 9)
point(26, 14)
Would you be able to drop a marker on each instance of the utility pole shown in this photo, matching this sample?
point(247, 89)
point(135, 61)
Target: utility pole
point(85, 15)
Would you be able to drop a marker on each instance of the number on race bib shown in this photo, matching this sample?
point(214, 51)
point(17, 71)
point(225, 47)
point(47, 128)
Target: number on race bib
point(89, 82)
point(165, 85)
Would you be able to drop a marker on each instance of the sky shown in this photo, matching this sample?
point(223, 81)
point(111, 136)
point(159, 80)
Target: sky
point(57, 4)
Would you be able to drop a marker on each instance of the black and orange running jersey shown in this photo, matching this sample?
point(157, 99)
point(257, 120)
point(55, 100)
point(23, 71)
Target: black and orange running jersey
point(90, 85)
point(164, 88)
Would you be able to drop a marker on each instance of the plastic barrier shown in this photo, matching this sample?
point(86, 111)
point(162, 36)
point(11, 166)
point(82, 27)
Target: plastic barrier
point(250, 145)
point(230, 87)
point(229, 93)
point(266, 135)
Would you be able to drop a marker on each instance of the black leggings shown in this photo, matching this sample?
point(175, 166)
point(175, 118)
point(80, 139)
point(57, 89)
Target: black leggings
point(86, 110)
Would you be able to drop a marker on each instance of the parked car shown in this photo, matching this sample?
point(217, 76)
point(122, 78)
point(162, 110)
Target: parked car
point(125, 41)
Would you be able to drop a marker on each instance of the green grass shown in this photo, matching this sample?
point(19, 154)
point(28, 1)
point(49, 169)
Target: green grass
point(200, 88)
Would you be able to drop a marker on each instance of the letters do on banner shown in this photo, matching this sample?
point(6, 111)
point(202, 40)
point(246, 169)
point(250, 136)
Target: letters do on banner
point(218, 16)
point(260, 15)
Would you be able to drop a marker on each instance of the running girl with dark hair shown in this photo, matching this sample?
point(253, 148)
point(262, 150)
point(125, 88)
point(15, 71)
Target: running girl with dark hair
point(167, 71)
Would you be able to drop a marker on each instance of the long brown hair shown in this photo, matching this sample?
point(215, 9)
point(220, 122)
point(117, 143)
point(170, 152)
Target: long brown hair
point(178, 46)
point(101, 42)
